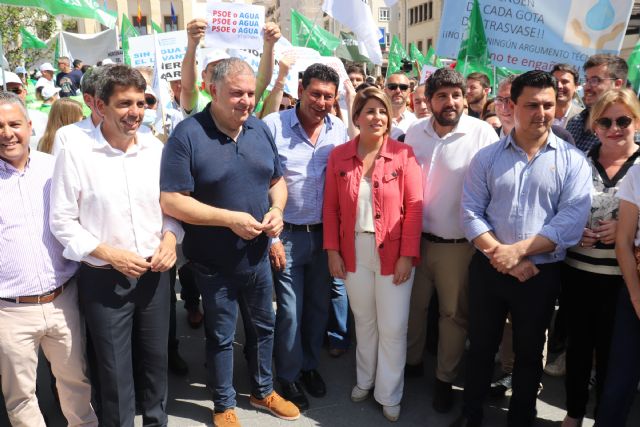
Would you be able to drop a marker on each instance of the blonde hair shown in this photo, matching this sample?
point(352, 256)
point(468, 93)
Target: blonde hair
point(64, 111)
point(622, 96)
point(372, 93)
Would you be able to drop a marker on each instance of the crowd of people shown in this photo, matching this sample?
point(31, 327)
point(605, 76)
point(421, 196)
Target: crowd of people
point(412, 205)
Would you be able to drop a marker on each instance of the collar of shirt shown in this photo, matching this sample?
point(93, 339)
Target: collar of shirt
point(405, 115)
point(294, 121)
point(7, 167)
point(101, 144)
point(351, 150)
point(461, 128)
point(552, 143)
point(209, 124)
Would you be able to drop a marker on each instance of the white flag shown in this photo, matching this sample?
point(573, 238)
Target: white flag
point(356, 15)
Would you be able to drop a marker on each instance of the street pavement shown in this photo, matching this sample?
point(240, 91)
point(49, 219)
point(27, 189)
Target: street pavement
point(189, 402)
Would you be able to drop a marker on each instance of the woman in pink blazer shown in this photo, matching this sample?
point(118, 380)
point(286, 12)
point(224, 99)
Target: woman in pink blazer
point(372, 224)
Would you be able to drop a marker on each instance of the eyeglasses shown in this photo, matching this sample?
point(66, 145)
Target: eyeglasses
point(501, 100)
point(622, 122)
point(150, 100)
point(286, 107)
point(595, 80)
point(394, 86)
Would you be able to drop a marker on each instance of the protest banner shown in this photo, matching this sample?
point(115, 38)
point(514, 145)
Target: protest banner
point(526, 34)
point(117, 56)
point(91, 48)
point(426, 72)
point(237, 26)
point(172, 47)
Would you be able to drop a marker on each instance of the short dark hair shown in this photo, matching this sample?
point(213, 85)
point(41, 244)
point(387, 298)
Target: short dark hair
point(76, 62)
point(119, 76)
point(355, 68)
point(535, 78)
point(480, 77)
point(567, 68)
point(363, 86)
point(616, 66)
point(444, 77)
point(320, 72)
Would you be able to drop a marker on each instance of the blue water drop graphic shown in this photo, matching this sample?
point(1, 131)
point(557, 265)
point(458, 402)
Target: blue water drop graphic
point(601, 15)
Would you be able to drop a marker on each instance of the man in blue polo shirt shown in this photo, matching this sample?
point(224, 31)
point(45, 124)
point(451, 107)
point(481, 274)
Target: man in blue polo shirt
point(304, 136)
point(222, 177)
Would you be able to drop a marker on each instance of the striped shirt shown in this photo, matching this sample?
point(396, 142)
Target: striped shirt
point(303, 163)
point(601, 258)
point(31, 261)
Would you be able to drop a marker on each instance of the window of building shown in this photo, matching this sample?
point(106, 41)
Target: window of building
point(384, 13)
point(430, 10)
point(420, 45)
point(411, 16)
point(420, 14)
point(140, 26)
point(387, 39)
point(429, 43)
point(169, 25)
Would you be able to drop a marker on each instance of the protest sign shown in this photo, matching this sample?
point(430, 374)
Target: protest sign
point(237, 26)
point(172, 47)
point(426, 72)
point(91, 48)
point(117, 56)
point(526, 34)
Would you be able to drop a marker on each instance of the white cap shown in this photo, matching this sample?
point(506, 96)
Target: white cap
point(107, 61)
point(214, 55)
point(149, 91)
point(49, 91)
point(10, 77)
point(47, 67)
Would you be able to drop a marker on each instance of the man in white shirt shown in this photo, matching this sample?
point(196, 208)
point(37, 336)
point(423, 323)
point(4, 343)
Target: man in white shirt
point(47, 71)
point(105, 210)
point(397, 89)
point(444, 145)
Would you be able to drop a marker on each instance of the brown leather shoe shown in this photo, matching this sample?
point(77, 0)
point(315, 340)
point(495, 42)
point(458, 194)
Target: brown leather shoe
point(227, 418)
point(195, 318)
point(277, 406)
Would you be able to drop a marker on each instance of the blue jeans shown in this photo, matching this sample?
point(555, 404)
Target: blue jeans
point(302, 294)
point(338, 326)
point(624, 370)
point(222, 294)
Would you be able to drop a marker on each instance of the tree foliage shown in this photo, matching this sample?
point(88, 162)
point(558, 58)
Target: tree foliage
point(37, 21)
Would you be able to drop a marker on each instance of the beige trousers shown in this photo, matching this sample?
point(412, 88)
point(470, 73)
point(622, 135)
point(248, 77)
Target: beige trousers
point(56, 327)
point(445, 268)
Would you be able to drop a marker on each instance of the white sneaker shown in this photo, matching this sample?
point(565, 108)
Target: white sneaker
point(358, 394)
point(557, 368)
point(392, 413)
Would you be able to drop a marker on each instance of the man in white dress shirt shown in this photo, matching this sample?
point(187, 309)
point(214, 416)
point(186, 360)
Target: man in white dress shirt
point(444, 145)
point(397, 89)
point(106, 212)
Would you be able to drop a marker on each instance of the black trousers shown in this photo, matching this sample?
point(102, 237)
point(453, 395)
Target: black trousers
point(491, 296)
point(126, 316)
point(591, 306)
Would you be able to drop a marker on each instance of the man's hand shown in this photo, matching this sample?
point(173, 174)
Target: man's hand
point(606, 231)
point(287, 60)
point(504, 257)
point(128, 263)
point(403, 270)
point(165, 255)
point(336, 265)
point(277, 256)
point(271, 33)
point(272, 223)
point(524, 271)
point(195, 31)
point(245, 226)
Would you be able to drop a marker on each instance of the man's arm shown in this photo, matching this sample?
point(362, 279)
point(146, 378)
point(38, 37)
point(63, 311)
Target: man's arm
point(272, 102)
point(265, 68)
point(188, 72)
point(273, 220)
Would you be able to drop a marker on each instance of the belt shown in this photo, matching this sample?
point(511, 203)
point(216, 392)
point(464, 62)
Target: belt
point(435, 239)
point(309, 228)
point(38, 299)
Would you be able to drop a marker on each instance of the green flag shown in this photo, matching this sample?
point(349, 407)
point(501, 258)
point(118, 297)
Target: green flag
point(75, 8)
point(432, 58)
point(156, 27)
point(305, 33)
point(396, 55)
point(31, 41)
point(473, 55)
point(416, 55)
point(634, 68)
point(127, 30)
point(348, 49)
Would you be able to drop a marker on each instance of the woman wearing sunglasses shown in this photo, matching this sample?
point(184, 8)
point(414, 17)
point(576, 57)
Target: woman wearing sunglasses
point(624, 361)
point(372, 219)
point(592, 277)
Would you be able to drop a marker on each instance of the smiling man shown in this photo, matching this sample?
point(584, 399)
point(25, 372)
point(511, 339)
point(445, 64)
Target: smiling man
point(105, 211)
point(222, 177)
point(566, 107)
point(444, 146)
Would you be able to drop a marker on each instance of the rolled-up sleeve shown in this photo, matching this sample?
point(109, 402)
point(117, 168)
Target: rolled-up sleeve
point(475, 198)
point(174, 226)
point(566, 227)
point(65, 210)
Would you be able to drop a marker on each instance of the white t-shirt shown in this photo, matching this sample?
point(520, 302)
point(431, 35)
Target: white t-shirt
point(630, 191)
point(400, 128)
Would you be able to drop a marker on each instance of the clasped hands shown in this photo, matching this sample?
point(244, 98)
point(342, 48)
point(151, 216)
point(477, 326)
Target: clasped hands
point(247, 227)
point(509, 259)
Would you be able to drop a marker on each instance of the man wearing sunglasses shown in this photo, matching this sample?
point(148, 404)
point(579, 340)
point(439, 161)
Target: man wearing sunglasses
point(397, 89)
point(602, 72)
point(38, 118)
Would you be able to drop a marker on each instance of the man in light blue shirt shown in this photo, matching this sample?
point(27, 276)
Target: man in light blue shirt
point(304, 137)
point(526, 199)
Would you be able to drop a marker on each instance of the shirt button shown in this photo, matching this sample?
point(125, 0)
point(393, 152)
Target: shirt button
point(378, 156)
point(378, 215)
point(381, 245)
point(376, 184)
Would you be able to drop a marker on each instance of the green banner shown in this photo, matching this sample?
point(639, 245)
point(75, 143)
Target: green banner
point(396, 55)
point(416, 55)
point(74, 8)
point(432, 58)
point(634, 68)
point(348, 49)
point(127, 30)
point(474, 52)
point(31, 41)
point(306, 34)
